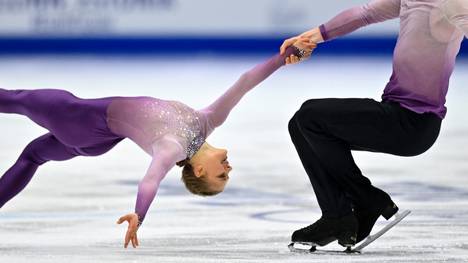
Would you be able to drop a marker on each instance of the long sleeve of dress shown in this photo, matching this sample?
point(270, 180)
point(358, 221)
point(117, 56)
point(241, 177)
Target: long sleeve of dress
point(357, 17)
point(217, 112)
point(166, 153)
point(456, 12)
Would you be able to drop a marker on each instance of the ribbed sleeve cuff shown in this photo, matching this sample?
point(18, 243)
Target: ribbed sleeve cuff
point(324, 33)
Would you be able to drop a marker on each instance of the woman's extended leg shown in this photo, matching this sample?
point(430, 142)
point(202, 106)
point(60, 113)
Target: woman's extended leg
point(43, 149)
point(39, 105)
point(73, 121)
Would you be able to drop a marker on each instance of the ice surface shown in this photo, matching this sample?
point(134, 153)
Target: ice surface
point(68, 212)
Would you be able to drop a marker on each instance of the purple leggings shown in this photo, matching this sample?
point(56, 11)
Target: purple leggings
point(77, 127)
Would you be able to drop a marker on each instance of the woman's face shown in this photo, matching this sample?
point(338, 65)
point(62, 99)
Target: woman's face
point(214, 166)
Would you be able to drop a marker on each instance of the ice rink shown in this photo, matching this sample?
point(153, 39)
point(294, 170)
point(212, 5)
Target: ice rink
point(68, 212)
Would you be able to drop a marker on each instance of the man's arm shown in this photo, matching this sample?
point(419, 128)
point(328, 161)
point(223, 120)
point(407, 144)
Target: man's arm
point(345, 23)
point(357, 17)
point(456, 12)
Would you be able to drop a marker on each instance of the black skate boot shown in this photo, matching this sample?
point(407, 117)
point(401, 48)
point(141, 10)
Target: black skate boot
point(382, 206)
point(327, 230)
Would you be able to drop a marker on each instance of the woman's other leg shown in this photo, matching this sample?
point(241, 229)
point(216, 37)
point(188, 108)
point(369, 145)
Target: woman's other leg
point(41, 150)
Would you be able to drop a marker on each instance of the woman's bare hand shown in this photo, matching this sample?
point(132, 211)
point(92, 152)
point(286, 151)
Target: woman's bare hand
point(131, 234)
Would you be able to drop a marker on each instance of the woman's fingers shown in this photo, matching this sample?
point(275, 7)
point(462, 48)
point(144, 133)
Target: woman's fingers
point(121, 220)
point(133, 242)
point(136, 240)
point(134, 237)
point(127, 238)
point(124, 218)
point(131, 236)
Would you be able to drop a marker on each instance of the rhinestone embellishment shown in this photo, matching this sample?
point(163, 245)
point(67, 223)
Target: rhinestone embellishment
point(194, 146)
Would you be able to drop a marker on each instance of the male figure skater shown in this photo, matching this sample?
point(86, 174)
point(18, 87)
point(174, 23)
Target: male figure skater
point(406, 122)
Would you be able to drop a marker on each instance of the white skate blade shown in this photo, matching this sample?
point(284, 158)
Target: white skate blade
point(311, 248)
point(302, 246)
point(397, 219)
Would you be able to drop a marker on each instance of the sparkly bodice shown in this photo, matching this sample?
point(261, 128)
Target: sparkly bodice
point(146, 120)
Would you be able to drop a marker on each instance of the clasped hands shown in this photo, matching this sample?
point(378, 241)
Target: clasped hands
point(305, 42)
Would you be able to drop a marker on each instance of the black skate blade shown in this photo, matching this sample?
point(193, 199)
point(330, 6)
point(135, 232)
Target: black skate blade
point(314, 250)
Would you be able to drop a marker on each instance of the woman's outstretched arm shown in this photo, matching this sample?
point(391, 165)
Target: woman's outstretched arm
point(166, 152)
point(217, 112)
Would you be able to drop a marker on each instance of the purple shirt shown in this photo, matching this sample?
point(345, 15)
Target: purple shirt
point(431, 32)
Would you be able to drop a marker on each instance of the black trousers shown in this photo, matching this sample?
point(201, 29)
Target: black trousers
point(324, 131)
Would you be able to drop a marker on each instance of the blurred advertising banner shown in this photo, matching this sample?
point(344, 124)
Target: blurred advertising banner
point(62, 18)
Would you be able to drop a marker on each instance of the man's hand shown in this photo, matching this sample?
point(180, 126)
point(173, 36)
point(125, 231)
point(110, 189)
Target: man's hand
point(300, 43)
point(131, 235)
point(306, 41)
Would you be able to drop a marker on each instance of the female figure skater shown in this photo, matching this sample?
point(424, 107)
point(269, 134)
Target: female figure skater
point(406, 122)
point(169, 131)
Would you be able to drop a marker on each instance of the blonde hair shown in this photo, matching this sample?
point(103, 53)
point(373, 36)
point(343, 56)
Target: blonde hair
point(195, 185)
